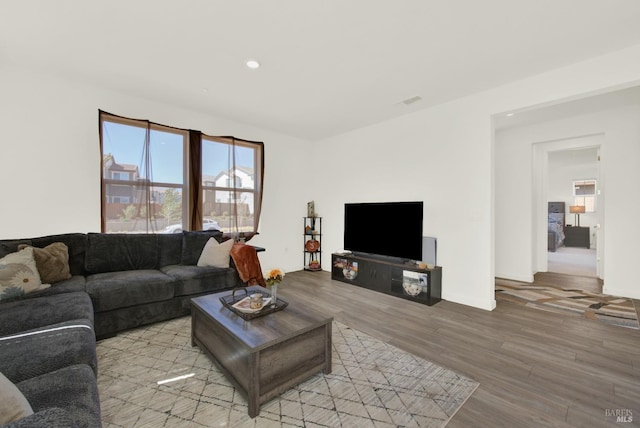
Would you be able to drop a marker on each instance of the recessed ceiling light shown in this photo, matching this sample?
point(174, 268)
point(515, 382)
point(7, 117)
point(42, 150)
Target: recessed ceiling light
point(510, 114)
point(253, 64)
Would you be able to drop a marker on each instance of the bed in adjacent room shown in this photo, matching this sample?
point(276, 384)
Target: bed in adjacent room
point(555, 237)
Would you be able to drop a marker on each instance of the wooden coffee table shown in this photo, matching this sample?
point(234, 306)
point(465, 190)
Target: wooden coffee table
point(264, 356)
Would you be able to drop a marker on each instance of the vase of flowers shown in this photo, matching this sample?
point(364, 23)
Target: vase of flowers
point(273, 278)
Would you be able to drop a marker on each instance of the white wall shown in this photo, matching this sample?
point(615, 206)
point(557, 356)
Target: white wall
point(414, 158)
point(51, 161)
point(444, 156)
point(617, 130)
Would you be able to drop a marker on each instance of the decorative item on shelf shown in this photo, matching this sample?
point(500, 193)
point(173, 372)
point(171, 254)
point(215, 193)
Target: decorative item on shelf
point(314, 265)
point(414, 283)
point(308, 230)
point(311, 209)
point(412, 288)
point(273, 278)
point(577, 210)
point(349, 269)
point(312, 245)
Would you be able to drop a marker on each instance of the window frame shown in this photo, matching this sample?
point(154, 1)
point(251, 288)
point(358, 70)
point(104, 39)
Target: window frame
point(258, 174)
point(588, 200)
point(192, 186)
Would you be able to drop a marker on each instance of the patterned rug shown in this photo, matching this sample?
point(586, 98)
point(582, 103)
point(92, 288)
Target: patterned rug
point(617, 311)
point(372, 384)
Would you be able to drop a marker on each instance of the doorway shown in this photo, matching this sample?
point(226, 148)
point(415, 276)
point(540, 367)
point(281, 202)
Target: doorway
point(562, 166)
point(573, 180)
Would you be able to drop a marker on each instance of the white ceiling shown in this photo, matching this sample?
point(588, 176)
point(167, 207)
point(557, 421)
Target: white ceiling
point(328, 66)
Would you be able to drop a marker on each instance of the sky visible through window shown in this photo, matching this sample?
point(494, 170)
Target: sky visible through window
point(126, 144)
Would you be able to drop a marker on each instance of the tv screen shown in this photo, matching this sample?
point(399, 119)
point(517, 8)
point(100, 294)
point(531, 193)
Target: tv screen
point(391, 229)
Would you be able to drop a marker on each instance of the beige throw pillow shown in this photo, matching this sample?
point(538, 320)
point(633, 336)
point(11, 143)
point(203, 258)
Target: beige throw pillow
point(216, 254)
point(13, 405)
point(52, 262)
point(19, 274)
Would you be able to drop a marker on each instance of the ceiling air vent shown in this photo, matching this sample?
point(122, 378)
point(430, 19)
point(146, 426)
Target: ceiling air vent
point(411, 100)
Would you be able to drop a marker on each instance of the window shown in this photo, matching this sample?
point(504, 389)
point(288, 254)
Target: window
point(231, 177)
point(158, 178)
point(146, 164)
point(584, 193)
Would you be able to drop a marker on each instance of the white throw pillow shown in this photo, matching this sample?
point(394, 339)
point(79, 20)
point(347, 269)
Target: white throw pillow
point(19, 274)
point(216, 254)
point(13, 405)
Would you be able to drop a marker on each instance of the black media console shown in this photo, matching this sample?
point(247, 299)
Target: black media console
point(405, 280)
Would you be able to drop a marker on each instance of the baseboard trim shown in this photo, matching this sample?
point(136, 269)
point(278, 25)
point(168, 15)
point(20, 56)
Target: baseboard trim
point(621, 292)
point(515, 277)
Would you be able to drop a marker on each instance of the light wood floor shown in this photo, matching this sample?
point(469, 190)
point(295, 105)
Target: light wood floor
point(535, 368)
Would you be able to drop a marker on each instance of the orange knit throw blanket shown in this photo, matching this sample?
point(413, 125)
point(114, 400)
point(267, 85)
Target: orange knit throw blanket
point(246, 260)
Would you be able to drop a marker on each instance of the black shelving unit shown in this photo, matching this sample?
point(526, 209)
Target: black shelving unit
point(312, 243)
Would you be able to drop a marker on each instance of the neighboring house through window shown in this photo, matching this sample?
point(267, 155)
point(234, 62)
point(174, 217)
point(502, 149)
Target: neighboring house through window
point(231, 192)
point(146, 173)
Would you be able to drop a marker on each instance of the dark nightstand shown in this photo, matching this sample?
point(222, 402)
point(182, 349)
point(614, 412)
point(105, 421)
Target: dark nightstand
point(575, 236)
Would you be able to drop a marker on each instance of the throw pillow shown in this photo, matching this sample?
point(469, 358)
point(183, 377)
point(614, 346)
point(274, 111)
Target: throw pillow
point(194, 242)
point(52, 262)
point(13, 405)
point(216, 254)
point(19, 274)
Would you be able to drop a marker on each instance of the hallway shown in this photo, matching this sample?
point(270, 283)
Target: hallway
point(573, 261)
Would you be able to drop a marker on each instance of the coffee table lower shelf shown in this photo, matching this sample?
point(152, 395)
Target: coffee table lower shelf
point(263, 357)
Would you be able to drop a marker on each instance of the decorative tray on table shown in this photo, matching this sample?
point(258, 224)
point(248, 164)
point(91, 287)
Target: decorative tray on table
point(239, 304)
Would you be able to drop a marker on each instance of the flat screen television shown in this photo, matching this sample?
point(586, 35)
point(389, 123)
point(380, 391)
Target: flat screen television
point(392, 229)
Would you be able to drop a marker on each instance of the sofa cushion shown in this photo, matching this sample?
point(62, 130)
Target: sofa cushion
point(115, 252)
point(27, 314)
point(197, 280)
point(75, 283)
point(75, 242)
point(19, 274)
point(73, 389)
point(8, 246)
point(13, 405)
point(49, 418)
point(32, 353)
point(215, 253)
point(112, 322)
point(52, 262)
point(169, 249)
point(194, 242)
point(112, 290)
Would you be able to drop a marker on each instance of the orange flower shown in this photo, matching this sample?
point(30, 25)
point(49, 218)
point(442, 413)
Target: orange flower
point(273, 276)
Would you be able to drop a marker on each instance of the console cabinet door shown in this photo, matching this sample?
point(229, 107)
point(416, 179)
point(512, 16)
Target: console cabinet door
point(375, 276)
point(360, 272)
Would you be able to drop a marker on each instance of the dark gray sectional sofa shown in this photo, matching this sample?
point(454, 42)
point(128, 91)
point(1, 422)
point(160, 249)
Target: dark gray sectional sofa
point(118, 282)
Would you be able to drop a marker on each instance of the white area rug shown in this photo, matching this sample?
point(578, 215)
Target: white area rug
point(373, 384)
